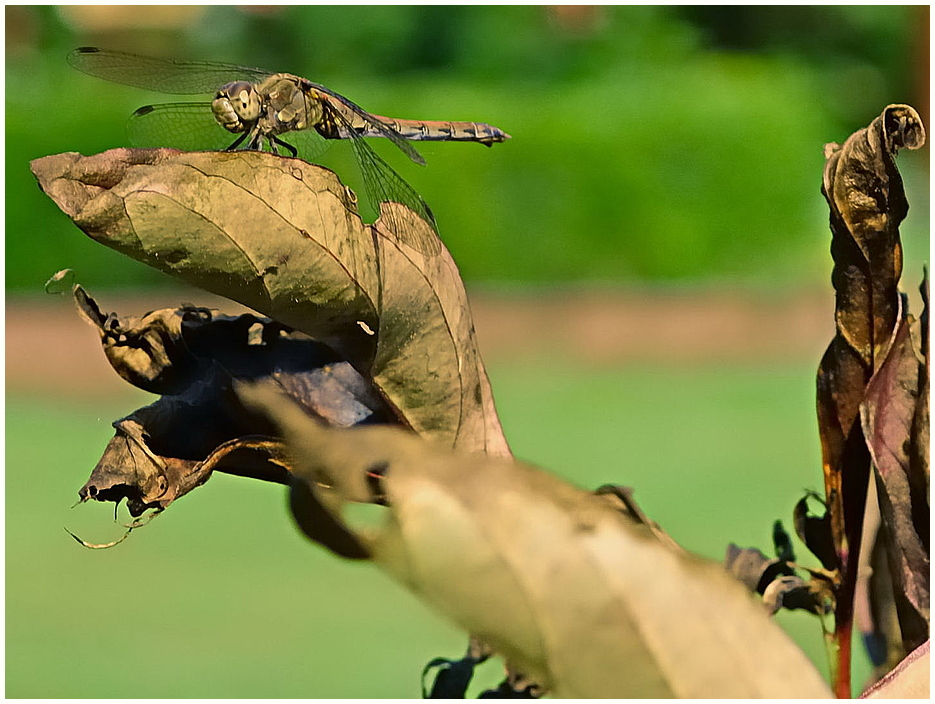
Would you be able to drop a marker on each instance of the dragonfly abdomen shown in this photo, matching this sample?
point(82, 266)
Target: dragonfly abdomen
point(440, 131)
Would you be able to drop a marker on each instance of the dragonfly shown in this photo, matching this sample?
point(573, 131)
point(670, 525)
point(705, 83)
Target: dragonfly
point(265, 110)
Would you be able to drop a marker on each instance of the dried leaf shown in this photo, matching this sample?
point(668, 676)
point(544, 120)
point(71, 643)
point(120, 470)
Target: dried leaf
point(815, 531)
point(887, 414)
point(513, 688)
point(782, 543)
point(570, 591)
point(192, 356)
point(752, 568)
point(283, 237)
point(867, 202)
point(791, 592)
point(875, 607)
point(919, 440)
point(910, 680)
point(775, 580)
point(454, 676)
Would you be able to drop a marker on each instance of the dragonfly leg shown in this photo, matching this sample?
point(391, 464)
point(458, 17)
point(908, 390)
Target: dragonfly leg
point(237, 142)
point(292, 150)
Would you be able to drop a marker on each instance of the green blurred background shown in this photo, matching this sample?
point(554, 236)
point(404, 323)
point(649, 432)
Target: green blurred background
point(663, 152)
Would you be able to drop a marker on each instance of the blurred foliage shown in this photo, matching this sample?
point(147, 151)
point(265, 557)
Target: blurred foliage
point(649, 143)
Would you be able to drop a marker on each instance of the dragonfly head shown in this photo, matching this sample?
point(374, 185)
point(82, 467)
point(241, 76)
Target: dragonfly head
point(236, 106)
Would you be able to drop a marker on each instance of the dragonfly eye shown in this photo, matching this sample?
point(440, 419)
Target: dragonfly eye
point(243, 99)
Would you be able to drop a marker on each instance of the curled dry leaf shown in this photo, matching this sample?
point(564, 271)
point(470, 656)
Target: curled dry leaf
point(569, 590)
point(191, 357)
point(283, 237)
point(867, 203)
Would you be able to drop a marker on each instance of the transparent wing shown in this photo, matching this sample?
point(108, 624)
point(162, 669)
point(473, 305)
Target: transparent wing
point(384, 129)
point(163, 75)
point(188, 126)
point(308, 143)
point(384, 185)
point(192, 127)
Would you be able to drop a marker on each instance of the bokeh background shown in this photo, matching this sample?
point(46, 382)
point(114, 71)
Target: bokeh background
point(648, 265)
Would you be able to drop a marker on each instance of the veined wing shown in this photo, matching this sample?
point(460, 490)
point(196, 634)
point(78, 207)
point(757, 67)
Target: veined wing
point(347, 131)
point(191, 127)
point(384, 185)
point(163, 75)
point(188, 126)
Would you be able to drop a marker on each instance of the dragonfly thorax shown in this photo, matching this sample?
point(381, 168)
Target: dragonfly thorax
point(274, 106)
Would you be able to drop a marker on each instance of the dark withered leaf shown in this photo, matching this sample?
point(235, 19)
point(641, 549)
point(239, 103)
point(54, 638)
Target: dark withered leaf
point(451, 679)
point(578, 597)
point(919, 440)
point(283, 237)
point(192, 356)
point(867, 203)
point(815, 531)
point(876, 607)
point(887, 414)
point(148, 352)
point(792, 592)
point(752, 568)
point(782, 543)
point(512, 689)
point(454, 676)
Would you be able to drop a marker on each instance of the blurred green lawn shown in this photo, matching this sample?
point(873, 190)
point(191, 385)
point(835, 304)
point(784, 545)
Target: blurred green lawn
point(220, 597)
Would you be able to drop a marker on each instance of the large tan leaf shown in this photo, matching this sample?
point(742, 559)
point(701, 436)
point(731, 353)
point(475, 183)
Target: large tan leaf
point(283, 237)
point(571, 591)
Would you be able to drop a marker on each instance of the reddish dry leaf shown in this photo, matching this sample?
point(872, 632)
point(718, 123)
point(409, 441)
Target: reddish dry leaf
point(283, 237)
point(887, 414)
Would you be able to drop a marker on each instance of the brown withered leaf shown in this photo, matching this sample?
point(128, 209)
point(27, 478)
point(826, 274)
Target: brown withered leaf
point(815, 531)
point(875, 611)
point(576, 595)
point(283, 237)
point(191, 356)
point(752, 568)
point(887, 414)
point(919, 440)
point(775, 580)
point(867, 202)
